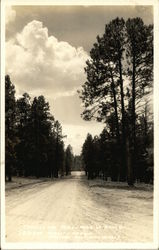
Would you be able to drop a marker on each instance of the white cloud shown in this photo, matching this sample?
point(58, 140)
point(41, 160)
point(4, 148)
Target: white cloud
point(10, 14)
point(38, 62)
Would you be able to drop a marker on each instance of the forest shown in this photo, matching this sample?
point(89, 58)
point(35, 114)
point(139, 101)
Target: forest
point(118, 92)
point(34, 143)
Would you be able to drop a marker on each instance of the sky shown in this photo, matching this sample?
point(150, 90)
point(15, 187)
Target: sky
point(46, 51)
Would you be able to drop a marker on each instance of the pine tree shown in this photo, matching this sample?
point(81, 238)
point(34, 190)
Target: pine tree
point(34, 140)
point(140, 69)
point(119, 73)
point(41, 126)
point(87, 153)
point(58, 140)
point(68, 159)
point(23, 132)
point(10, 128)
point(100, 93)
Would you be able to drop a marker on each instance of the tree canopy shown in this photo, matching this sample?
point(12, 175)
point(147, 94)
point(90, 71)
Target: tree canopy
point(119, 78)
point(34, 139)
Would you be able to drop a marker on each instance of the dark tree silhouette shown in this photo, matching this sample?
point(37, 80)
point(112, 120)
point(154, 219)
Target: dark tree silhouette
point(23, 133)
point(139, 55)
point(119, 74)
point(77, 163)
point(10, 128)
point(68, 159)
point(58, 138)
point(34, 140)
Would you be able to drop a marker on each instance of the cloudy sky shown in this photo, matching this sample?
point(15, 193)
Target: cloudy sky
point(46, 50)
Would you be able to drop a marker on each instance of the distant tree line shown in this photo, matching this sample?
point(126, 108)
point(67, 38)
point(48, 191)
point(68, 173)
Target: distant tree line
point(34, 143)
point(118, 92)
point(77, 163)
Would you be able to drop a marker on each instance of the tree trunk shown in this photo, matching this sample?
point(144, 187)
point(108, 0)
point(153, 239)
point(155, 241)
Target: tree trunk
point(115, 107)
point(133, 141)
point(124, 162)
point(130, 178)
point(56, 158)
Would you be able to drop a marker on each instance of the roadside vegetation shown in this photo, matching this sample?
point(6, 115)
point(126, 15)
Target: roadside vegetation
point(34, 143)
point(118, 92)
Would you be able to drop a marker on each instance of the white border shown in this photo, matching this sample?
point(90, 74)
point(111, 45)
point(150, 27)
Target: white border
point(155, 244)
point(156, 123)
point(2, 112)
point(80, 2)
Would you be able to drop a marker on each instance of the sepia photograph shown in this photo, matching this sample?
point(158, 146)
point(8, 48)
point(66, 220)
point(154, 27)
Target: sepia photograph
point(78, 108)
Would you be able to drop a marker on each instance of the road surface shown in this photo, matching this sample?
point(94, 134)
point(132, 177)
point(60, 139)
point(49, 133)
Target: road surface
point(74, 209)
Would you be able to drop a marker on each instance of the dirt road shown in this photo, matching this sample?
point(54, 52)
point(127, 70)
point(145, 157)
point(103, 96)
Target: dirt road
point(74, 209)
